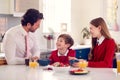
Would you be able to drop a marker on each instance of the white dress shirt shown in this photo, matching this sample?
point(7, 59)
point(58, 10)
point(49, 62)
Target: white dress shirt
point(99, 41)
point(14, 45)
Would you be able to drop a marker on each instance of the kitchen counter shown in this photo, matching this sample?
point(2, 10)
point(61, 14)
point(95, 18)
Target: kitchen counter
point(81, 46)
point(22, 72)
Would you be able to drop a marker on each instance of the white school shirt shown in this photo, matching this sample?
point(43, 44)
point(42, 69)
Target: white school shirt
point(99, 41)
point(14, 45)
point(63, 54)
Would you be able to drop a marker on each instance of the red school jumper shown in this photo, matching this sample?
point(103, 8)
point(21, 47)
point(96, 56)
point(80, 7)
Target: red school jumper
point(62, 59)
point(103, 54)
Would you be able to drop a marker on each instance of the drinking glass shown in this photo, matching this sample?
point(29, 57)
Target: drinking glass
point(118, 62)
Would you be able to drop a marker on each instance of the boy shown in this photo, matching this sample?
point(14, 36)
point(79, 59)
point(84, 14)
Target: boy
point(63, 54)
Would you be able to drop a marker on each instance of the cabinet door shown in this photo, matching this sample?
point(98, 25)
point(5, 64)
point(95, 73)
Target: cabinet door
point(4, 6)
point(23, 5)
point(82, 53)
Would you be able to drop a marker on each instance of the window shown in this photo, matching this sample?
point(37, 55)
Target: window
point(112, 7)
point(57, 15)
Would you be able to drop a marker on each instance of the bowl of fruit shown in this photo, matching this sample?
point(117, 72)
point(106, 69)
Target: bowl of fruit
point(60, 67)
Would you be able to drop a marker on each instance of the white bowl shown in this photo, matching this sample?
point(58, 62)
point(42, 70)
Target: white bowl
point(61, 69)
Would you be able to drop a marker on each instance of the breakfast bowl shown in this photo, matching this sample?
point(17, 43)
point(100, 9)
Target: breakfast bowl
point(71, 62)
point(61, 67)
point(43, 62)
point(80, 63)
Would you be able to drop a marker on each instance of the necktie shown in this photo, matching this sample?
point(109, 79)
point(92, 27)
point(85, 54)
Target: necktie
point(27, 51)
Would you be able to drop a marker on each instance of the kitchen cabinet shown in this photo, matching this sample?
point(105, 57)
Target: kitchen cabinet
point(3, 62)
point(18, 7)
point(23, 5)
point(5, 6)
point(82, 53)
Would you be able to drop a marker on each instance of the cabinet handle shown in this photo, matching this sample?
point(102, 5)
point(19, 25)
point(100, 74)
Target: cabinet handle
point(80, 51)
point(80, 57)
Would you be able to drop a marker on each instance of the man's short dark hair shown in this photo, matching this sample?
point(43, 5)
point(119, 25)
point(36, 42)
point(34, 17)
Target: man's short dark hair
point(31, 16)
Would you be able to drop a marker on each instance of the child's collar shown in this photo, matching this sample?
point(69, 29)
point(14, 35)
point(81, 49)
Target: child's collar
point(63, 54)
point(99, 41)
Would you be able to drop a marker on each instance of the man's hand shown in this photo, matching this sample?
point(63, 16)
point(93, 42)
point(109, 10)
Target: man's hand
point(35, 58)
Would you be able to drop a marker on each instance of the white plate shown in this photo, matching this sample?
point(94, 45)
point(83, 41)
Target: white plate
point(81, 72)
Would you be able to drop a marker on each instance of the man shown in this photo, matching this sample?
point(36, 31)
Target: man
point(20, 42)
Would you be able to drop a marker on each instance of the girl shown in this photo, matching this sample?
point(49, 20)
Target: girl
point(103, 46)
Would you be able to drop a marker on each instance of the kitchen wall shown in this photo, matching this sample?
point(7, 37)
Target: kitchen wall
point(116, 36)
point(118, 14)
point(85, 10)
point(82, 12)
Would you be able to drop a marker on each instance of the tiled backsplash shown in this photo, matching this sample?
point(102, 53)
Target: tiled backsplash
point(3, 24)
point(8, 21)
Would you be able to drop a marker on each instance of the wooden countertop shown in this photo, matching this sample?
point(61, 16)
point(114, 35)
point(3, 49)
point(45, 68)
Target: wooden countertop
point(2, 59)
point(3, 62)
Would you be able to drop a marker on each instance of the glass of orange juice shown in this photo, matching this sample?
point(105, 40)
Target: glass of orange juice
point(33, 64)
point(82, 64)
point(118, 62)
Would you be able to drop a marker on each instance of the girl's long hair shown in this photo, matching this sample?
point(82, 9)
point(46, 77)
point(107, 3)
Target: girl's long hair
point(104, 30)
